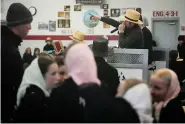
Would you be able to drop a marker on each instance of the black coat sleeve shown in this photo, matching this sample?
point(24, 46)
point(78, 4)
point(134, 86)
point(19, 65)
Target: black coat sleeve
point(116, 82)
point(64, 105)
point(172, 113)
point(110, 21)
point(32, 108)
point(97, 104)
point(101, 107)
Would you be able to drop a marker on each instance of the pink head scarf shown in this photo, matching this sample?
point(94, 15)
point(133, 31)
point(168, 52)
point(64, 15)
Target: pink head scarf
point(173, 91)
point(81, 65)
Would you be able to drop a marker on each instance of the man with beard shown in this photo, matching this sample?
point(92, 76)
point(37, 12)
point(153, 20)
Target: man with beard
point(130, 33)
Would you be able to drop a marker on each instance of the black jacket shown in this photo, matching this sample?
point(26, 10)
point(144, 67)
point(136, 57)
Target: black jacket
point(64, 105)
point(27, 58)
point(179, 68)
point(132, 38)
point(172, 112)
point(110, 21)
point(181, 50)
point(33, 106)
point(129, 39)
point(107, 75)
point(148, 42)
point(11, 70)
point(48, 47)
point(101, 107)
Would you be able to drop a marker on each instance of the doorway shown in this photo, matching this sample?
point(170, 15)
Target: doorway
point(165, 32)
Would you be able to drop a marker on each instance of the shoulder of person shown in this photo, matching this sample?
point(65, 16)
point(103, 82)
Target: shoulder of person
point(67, 88)
point(174, 103)
point(34, 93)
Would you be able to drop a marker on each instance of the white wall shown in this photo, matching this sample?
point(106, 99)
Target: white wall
point(47, 10)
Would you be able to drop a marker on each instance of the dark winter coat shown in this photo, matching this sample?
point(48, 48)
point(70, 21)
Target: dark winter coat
point(172, 112)
point(107, 75)
point(181, 50)
point(11, 71)
point(27, 58)
point(148, 43)
point(33, 106)
point(64, 104)
point(101, 107)
point(132, 38)
point(48, 47)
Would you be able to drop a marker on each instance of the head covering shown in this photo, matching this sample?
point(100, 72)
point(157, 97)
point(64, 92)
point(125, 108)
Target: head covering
point(48, 39)
point(100, 47)
point(77, 36)
point(32, 76)
point(18, 14)
point(173, 91)
point(81, 65)
point(140, 99)
point(132, 16)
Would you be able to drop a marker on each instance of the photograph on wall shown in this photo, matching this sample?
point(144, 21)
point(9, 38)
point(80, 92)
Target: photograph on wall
point(60, 14)
point(67, 23)
point(52, 26)
point(115, 12)
point(77, 7)
point(67, 15)
point(42, 26)
point(123, 11)
point(105, 6)
point(67, 8)
point(59, 23)
point(105, 12)
point(105, 25)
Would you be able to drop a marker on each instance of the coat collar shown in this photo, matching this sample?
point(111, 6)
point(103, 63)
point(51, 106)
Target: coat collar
point(9, 37)
point(100, 59)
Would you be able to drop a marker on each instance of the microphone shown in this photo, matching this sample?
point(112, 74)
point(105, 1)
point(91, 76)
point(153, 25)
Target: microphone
point(114, 30)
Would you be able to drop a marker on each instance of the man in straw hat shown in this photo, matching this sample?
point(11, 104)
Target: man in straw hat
point(106, 73)
point(77, 37)
point(130, 34)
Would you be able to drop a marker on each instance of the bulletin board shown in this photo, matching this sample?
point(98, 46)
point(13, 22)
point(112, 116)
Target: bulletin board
point(70, 18)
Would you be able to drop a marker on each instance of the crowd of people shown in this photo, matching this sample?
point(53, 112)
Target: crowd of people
point(78, 85)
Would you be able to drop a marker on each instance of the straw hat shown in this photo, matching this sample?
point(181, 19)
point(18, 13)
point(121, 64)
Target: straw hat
point(132, 16)
point(78, 36)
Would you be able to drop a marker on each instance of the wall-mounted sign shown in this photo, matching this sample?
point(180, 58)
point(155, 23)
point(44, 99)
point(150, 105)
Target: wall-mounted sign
point(170, 13)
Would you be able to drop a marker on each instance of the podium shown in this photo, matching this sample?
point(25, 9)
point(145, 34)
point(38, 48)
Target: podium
point(132, 63)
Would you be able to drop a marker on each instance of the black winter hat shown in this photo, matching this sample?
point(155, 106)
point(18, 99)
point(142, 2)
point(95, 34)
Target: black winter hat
point(18, 14)
point(181, 37)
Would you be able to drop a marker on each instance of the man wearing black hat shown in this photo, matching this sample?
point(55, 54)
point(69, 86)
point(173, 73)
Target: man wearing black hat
point(106, 73)
point(181, 46)
point(18, 21)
